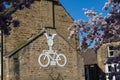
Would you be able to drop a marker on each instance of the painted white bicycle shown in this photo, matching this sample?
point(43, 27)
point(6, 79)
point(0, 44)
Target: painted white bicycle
point(51, 57)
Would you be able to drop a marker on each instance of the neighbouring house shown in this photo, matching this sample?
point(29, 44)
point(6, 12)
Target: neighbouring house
point(103, 65)
point(112, 65)
point(92, 70)
point(108, 60)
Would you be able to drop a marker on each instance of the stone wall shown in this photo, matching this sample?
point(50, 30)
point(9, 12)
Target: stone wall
point(102, 54)
point(23, 64)
point(33, 20)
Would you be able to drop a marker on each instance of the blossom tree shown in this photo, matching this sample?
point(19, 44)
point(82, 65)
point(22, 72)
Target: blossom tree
point(99, 29)
point(5, 18)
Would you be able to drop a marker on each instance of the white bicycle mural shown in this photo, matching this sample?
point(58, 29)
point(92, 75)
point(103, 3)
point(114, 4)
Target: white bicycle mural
point(51, 57)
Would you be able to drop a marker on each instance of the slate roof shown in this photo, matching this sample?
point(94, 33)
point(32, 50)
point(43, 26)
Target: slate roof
point(90, 57)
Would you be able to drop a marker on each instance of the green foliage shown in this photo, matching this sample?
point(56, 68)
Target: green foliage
point(21, 44)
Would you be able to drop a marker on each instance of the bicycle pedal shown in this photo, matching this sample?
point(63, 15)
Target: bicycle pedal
point(52, 63)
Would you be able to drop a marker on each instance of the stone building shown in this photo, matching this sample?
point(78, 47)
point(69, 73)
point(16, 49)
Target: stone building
point(90, 65)
point(102, 54)
point(92, 70)
point(26, 42)
point(95, 67)
point(106, 52)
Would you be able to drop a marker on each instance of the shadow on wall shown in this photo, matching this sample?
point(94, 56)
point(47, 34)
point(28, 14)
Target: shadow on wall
point(102, 75)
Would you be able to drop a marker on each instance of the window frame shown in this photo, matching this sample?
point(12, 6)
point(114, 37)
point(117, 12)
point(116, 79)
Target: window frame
point(109, 51)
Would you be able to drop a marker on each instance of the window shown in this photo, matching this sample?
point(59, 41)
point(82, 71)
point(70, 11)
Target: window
point(110, 51)
point(87, 73)
point(91, 72)
point(118, 69)
point(109, 68)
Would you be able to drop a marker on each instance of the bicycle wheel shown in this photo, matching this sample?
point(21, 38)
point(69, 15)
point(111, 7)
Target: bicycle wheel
point(61, 60)
point(44, 60)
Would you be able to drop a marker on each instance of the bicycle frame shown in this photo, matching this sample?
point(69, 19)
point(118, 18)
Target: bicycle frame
point(51, 52)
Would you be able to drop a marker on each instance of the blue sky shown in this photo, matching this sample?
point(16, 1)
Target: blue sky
point(74, 7)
